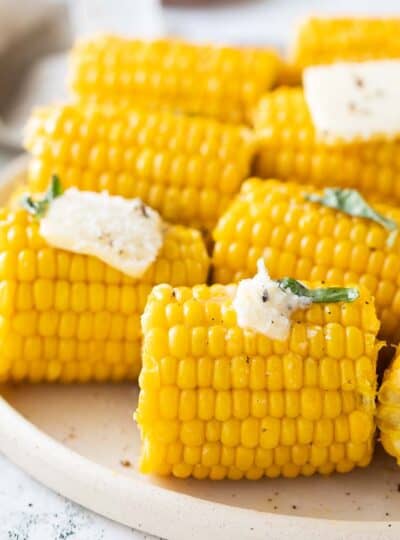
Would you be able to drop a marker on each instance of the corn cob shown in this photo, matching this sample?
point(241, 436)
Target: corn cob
point(221, 82)
point(388, 411)
point(272, 219)
point(217, 401)
point(324, 41)
point(186, 168)
point(288, 149)
point(67, 317)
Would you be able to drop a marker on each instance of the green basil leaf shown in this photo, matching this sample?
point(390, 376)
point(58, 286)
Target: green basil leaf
point(54, 190)
point(38, 208)
point(352, 203)
point(326, 295)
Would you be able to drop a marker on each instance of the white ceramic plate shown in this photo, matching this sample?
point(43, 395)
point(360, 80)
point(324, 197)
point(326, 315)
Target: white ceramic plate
point(81, 441)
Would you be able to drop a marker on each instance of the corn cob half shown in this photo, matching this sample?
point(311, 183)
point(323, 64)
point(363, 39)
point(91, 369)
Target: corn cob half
point(186, 168)
point(308, 241)
point(327, 40)
point(388, 411)
point(221, 82)
point(217, 401)
point(289, 149)
point(68, 317)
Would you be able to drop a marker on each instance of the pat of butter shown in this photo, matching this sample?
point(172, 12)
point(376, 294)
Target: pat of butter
point(351, 101)
point(123, 233)
point(261, 305)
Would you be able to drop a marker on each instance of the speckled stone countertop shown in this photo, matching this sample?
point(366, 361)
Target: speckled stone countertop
point(29, 511)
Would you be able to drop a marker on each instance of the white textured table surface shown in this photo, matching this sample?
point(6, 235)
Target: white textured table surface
point(29, 511)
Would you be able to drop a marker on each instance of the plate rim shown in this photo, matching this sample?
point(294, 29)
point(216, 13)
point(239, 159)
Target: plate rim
point(88, 483)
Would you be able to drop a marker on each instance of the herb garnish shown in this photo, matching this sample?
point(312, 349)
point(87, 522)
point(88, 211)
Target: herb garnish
point(322, 295)
point(349, 201)
point(39, 208)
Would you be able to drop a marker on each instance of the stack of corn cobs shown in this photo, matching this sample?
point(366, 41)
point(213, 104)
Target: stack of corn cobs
point(221, 143)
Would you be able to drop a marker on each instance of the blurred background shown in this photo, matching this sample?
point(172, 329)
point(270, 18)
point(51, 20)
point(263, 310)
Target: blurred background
point(35, 34)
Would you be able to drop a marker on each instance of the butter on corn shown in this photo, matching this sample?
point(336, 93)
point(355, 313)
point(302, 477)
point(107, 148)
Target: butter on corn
point(70, 317)
point(263, 306)
point(266, 306)
point(218, 401)
point(354, 102)
point(124, 233)
point(289, 149)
